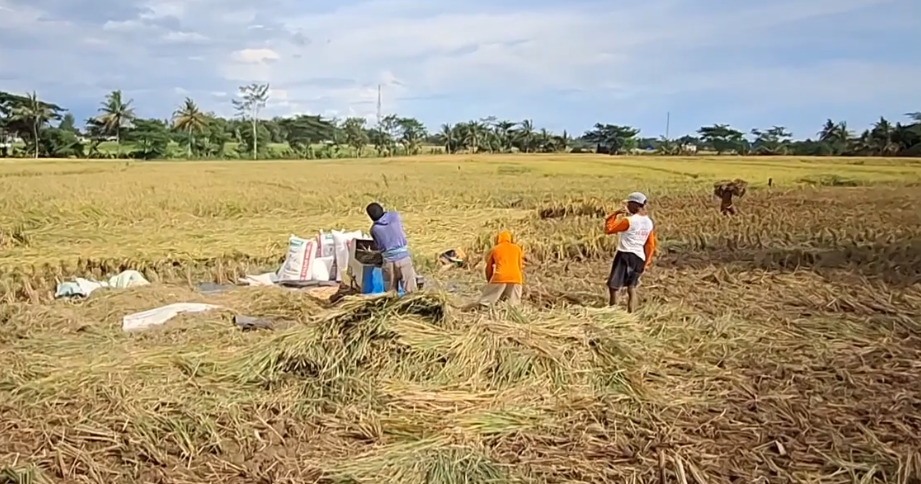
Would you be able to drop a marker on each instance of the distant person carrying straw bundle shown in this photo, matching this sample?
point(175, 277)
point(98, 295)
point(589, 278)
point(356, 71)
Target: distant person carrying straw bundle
point(636, 246)
point(727, 189)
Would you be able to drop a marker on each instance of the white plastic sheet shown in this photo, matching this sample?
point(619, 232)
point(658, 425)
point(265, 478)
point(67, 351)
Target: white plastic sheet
point(84, 287)
point(158, 316)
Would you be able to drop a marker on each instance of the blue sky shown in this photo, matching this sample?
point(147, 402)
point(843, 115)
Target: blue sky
point(563, 64)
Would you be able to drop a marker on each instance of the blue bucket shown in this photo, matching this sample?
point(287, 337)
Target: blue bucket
point(373, 281)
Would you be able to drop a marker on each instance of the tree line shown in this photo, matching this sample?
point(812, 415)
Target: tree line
point(32, 127)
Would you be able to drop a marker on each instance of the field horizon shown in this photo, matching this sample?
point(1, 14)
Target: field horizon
point(777, 345)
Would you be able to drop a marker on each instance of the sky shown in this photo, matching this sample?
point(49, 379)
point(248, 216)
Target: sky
point(563, 64)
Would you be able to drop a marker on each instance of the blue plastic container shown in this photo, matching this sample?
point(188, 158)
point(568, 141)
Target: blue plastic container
point(372, 281)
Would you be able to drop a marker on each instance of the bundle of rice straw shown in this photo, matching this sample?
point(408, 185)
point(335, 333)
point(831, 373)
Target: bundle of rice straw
point(735, 188)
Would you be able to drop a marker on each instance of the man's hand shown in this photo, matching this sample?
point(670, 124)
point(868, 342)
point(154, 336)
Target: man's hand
point(620, 211)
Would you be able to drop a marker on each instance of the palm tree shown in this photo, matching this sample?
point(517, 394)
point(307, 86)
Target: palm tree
point(190, 119)
point(564, 141)
point(446, 136)
point(504, 134)
point(116, 114)
point(906, 137)
point(474, 133)
point(543, 141)
point(836, 135)
point(881, 138)
point(525, 136)
point(34, 113)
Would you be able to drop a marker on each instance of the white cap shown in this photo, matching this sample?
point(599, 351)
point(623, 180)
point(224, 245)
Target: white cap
point(636, 197)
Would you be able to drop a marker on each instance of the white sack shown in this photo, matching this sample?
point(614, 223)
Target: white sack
point(341, 241)
point(299, 261)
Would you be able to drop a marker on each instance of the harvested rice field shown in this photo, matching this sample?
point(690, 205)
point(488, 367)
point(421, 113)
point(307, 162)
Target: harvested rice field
point(782, 344)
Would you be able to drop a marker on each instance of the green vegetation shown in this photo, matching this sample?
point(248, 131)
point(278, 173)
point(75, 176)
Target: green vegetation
point(30, 127)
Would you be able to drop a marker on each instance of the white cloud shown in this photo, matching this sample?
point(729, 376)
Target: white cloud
point(254, 56)
point(184, 37)
point(624, 56)
point(157, 10)
point(124, 26)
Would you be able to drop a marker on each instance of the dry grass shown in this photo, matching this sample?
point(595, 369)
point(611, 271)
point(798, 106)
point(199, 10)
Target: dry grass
point(779, 345)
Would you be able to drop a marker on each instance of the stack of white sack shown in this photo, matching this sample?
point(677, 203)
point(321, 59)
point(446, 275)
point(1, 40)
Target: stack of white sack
point(320, 259)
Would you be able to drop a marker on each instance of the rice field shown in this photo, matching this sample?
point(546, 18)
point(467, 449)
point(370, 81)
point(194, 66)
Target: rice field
point(778, 345)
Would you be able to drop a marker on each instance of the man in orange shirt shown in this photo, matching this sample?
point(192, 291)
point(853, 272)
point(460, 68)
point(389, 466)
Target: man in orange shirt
point(504, 272)
point(636, 246)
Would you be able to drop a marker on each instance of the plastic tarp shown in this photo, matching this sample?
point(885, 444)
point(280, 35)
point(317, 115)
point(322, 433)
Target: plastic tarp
point(80, 287)
point(158, 316)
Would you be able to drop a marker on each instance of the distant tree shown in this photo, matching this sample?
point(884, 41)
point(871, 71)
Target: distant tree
point(34, 113)
point(523, 136)
point(881, 138)
point(612, 139)
point(353, 130)
point(665, 146)
point(773, 141)
point(252, 99)
point(190, 119)
point(836, 135)
point(68, 123)
point(504, 132)
point(446, 138)
point(411, 134)
point(25, 118)
point(150, 137)
point(907, 138)
point(563, 141)
point(60, 143)
point(116, 115)
point(303, 131)
point(12, 125)
point(722, 138)
point(383, 135)
point(472, 134)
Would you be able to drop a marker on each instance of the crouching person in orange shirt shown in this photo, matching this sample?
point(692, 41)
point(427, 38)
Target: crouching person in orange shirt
point(504, 272)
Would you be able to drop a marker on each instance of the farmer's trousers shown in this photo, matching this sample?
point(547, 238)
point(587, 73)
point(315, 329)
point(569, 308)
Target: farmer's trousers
point(394, 272)
point(495, 292)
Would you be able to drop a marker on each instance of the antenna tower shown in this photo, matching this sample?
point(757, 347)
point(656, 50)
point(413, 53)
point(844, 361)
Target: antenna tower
point(378, 104)
point(668, 122)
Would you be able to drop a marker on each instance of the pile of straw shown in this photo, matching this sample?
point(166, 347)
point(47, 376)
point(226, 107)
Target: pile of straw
point(736, 188)
point(404, 390)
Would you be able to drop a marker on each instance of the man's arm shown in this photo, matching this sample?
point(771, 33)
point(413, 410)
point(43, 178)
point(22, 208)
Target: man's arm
point(613, 225)
point(490, 260)
point(649, 248)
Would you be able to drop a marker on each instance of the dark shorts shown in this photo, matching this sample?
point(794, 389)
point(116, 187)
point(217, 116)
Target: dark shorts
point(625, 270)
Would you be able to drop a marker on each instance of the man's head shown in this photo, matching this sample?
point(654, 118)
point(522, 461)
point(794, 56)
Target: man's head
point(375, 211)
point(636, 202)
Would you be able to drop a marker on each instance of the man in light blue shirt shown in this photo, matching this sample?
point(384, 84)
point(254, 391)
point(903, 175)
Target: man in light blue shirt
point(388, 235)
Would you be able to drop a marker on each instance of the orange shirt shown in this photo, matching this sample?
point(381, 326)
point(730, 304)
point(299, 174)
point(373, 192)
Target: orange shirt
point(505, 264)
point(614, 225)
